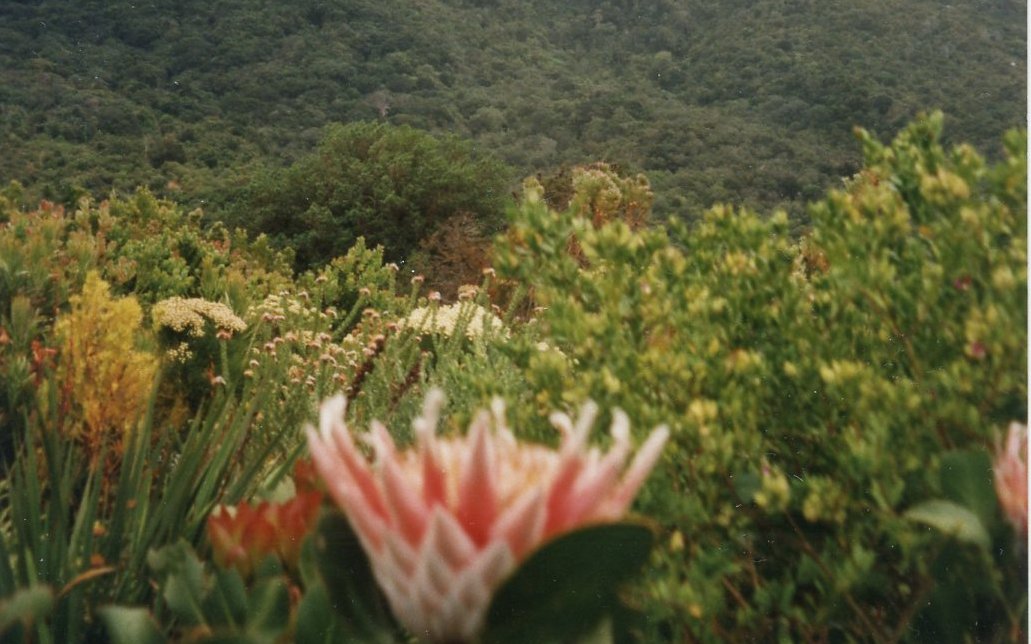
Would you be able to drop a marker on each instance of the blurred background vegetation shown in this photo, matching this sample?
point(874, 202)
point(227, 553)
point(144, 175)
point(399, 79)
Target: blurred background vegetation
point(749, 100)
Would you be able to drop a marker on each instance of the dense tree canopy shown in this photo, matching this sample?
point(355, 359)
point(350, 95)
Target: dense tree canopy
point(391, 185)
point(744, 100)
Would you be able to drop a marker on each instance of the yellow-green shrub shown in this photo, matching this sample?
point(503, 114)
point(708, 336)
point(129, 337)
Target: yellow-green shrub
point(102, 376)
point(820, 394)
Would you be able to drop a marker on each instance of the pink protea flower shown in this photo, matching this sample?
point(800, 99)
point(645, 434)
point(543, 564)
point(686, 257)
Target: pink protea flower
point(1010, 469)
point(445, 522)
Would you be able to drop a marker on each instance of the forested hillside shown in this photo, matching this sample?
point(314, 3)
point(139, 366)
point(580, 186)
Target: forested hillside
point(745, 100)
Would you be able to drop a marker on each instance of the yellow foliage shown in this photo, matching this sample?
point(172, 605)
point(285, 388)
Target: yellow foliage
point(104, 379)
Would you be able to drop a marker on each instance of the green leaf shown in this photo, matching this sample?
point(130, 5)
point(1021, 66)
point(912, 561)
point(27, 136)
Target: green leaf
point(602, 634)
point(269, 566)
point(316, 620)
point(566, 588)
point(269, 610)
point(183, 583)
point(952, 519)
point(946, 614)
point(226, 605)
point(308, 564)
point(966, 479)
point(26, 606)
point(350, 585)
point(131, 625)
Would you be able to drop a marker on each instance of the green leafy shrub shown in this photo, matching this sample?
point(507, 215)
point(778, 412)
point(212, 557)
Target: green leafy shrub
point(390, 185)
point(74, 538)
point(358, 278)
point(820, 393)
point(141, 245)
point(157, 250)
point(35, 260)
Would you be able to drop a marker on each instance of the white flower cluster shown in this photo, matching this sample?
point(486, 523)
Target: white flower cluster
point(276, 308)
point(445, 319)
point(307, 355)
point(189, 315)
point(179, 353)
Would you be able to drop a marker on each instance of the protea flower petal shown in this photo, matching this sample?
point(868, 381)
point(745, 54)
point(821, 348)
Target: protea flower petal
point(446, 521)
point(1010, 469)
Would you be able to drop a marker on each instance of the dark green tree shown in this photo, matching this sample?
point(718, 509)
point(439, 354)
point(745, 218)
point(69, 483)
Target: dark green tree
point(391, 185)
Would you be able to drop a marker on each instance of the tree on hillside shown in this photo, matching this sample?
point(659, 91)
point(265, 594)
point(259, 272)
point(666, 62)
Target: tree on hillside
point(391, 185)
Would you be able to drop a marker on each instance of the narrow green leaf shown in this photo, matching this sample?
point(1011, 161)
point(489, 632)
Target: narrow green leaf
point(131, 625)
point(132, 483)
point(952, 519)
point(28, 503)
point(7, 582)
point(566, 588)
point(81, 538)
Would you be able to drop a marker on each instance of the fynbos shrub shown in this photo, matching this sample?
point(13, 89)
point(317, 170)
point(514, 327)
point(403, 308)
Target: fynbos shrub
point(832, 402)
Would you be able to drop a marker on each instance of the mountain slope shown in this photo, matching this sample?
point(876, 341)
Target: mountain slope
point(744, 100)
